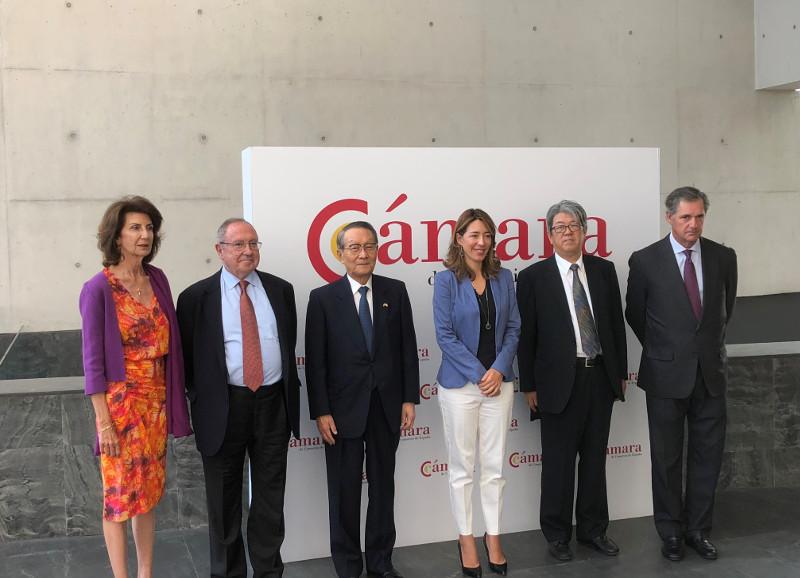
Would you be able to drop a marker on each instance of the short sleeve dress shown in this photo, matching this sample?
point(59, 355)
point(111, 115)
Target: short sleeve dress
point(133, 482)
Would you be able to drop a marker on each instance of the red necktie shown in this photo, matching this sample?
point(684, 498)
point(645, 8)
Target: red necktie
point(692, 288)
point(251, 345)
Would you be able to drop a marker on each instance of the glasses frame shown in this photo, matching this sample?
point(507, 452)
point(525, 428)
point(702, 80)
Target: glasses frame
point(252, 245)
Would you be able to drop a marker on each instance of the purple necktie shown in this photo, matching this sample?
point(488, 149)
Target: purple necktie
point(692, 288)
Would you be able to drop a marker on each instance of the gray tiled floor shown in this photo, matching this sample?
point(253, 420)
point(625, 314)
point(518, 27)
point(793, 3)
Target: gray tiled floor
point(757, 532)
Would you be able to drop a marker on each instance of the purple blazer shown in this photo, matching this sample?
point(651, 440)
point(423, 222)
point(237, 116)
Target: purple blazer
point(103, 360)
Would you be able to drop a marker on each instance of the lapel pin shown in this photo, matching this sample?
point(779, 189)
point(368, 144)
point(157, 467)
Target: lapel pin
point(385, 306)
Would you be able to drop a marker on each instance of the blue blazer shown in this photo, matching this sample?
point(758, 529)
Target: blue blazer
point(456, 318)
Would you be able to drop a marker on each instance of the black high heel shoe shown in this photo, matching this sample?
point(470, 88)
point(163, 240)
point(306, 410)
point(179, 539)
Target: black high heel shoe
point(501, 569)
point(476, 572)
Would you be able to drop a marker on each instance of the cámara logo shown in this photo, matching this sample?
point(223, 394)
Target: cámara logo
point(415, 433)
point(514, 426)
point(428, 390)
point(430, 467)
point(624, 451)
point(306, 443)
point(516, 459)
point(402, 240)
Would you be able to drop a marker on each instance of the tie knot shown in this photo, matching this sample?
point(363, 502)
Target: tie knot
point(688, 253)
point(243, 285)
point(573, 267)
point(363, 290)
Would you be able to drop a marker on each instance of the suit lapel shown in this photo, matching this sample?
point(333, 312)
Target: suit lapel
point(212, 313)
point(379, 299)
point(710, 276)
point(349, 316)
point(278, 308)
point(556, 287)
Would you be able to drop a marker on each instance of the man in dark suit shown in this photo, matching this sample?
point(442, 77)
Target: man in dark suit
point(362, 373)
point(681, 292)
point(572, 363)
point(239, 329)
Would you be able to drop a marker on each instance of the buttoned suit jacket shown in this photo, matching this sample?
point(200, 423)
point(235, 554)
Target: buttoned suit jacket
point(547, 347)
point(341, 373)
point(673, 341)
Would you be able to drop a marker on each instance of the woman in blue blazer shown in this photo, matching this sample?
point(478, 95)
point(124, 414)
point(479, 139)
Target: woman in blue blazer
point(477, 328)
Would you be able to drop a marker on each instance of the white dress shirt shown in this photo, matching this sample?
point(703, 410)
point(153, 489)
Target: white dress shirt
point(566, 280)
point(354, 287)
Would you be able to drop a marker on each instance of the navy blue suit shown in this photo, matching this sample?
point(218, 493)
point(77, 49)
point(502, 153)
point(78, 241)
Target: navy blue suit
point(364, 393)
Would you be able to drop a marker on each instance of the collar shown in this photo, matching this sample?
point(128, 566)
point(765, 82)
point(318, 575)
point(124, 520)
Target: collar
point(564, 265)
point(230, 281)
point(678, 248)
point(355, 285)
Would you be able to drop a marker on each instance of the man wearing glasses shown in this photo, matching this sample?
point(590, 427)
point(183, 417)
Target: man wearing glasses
point(239, 329)
point(572, 363)
point(362, 373)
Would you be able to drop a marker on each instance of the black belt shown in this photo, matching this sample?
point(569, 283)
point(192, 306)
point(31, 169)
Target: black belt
point(262, 391)
point(589, 361)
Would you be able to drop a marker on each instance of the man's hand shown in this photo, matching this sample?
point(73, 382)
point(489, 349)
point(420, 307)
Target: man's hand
point(533, 402)
point(407, 416)
point(327, 427)
point(490, 383)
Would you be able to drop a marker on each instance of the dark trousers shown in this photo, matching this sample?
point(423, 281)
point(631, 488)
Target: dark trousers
point(706, 417)
point(344, 462)
point(259, 427)
point(580, 430)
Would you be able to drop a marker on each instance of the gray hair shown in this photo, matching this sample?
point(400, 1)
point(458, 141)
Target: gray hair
point(354, 225)
point(570, 207)
point(222, 230)
point(685, 194)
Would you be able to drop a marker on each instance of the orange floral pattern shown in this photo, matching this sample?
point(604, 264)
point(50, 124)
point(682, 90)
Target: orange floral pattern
point(133, 482)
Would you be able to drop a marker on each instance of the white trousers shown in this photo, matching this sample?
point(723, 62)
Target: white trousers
point(470, 416)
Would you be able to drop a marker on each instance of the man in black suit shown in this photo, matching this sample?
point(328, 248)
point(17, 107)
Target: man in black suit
point(681, 292)
point(572, 363)
point(239, 329)
point(362, 373)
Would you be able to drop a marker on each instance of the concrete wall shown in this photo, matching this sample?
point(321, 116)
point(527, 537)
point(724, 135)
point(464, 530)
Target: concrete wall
point(101, 99)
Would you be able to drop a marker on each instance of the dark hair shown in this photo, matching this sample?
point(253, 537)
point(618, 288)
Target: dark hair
point(685, 194)
point(455, 261)
point(354, 225)
point(114, 219)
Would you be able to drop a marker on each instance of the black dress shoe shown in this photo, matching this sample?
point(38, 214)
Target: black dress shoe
point(501, 569)
point(560, 550)
point(602, 544)
point(672, 549)
point(390, 573)
point(702, 546)
point(475, 572)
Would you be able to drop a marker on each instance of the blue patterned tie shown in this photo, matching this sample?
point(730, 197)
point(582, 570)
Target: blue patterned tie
point(365, 318)
point(590, 343)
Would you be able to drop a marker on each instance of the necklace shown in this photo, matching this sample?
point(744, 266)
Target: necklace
point(481, 305)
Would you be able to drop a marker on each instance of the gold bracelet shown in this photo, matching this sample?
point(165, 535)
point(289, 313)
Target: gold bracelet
point(108, 427)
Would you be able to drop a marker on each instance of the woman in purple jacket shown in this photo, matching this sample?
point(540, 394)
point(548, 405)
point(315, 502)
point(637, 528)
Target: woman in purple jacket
point(133, 365)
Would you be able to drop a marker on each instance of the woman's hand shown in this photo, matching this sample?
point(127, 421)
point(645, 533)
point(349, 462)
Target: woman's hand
point(109, 442)
point(490, 383)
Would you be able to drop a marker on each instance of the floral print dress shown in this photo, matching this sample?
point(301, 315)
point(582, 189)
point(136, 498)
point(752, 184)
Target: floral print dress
point(133, 481)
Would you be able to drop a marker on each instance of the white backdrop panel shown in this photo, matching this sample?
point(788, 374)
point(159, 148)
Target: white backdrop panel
point(297, 198)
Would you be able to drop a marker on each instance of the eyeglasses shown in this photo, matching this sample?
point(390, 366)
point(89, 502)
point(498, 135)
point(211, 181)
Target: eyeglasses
point(355, 248)
point(561, 229)
point(242, 245)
